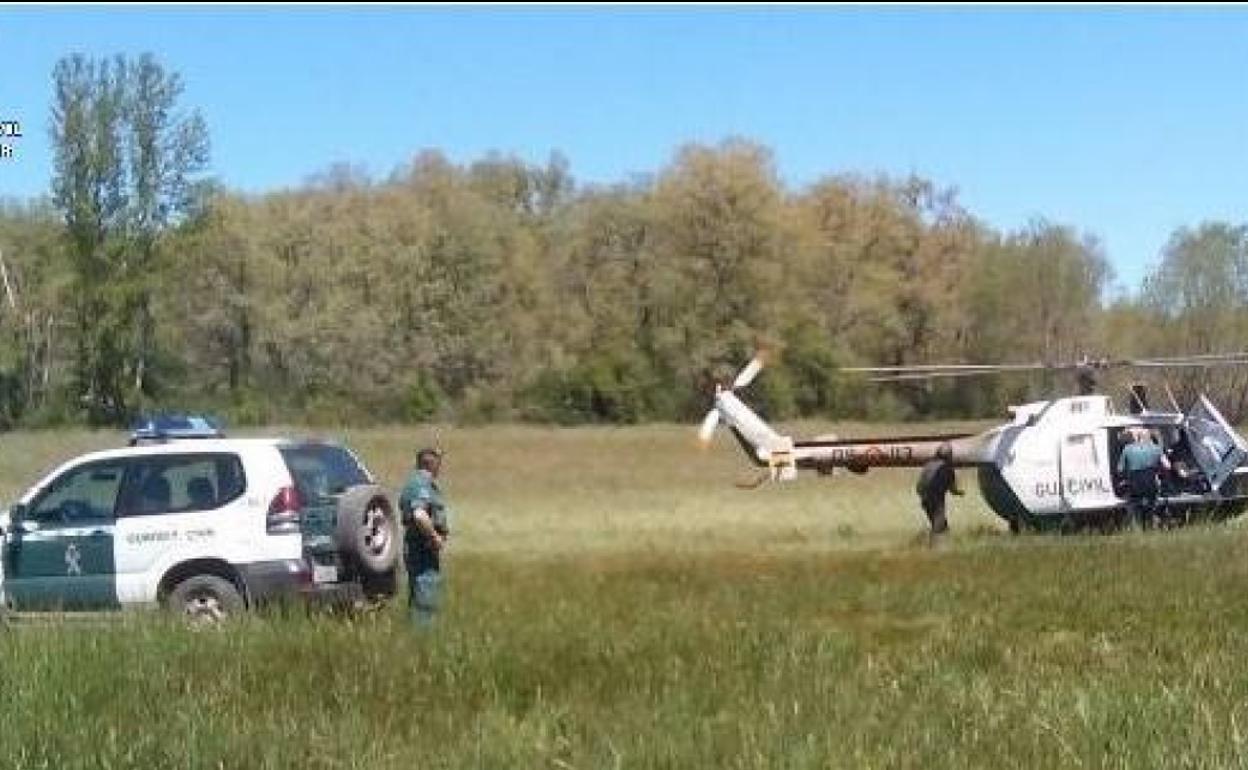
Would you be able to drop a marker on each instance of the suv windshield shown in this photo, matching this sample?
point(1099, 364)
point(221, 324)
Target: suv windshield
point(322, 470)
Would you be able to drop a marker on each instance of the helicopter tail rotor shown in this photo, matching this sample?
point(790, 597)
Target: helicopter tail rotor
point(707, 429)
point(743, 379)
point(747, 375)
point(761, 443)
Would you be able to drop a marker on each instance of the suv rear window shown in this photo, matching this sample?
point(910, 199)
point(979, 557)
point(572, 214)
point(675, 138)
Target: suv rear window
point(322, 470)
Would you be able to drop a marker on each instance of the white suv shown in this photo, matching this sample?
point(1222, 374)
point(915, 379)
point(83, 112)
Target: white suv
point(206, 527)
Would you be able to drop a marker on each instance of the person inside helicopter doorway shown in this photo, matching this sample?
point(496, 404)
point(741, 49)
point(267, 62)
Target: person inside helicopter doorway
point(935, 479)
point(1142, 460)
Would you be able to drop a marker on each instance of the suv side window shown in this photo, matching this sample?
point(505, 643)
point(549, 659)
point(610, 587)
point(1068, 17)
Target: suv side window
point(181, 483)
point(86, 494)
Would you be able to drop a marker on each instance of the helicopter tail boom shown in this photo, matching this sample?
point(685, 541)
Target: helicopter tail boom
point(767, 448)
point(894, 452)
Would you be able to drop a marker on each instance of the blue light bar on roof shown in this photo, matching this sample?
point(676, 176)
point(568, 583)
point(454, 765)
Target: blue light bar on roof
point(172, 427)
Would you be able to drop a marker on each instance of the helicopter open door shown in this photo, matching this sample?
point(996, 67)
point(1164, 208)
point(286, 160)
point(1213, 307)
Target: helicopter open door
point(1084, 470)
point(1216, 447)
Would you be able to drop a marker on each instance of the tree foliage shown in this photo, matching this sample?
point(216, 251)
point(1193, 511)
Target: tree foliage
point(500, 289)
point(124, 167)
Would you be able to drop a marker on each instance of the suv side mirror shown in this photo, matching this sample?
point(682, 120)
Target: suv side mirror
point(16, 512)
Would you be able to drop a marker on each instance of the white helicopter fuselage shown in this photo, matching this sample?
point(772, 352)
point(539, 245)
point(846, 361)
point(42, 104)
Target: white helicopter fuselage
point(1058, 456)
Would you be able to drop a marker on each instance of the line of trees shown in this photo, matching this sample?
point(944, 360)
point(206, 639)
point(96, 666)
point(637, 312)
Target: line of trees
point(500, 289)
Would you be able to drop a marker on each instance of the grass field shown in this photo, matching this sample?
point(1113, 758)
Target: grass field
point(615, 602)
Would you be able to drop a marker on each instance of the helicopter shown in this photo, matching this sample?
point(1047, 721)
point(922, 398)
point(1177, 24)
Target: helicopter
point(1052, 466)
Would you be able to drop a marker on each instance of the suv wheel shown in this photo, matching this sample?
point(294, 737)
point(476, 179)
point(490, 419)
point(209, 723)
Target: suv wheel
point(206, 600)
point(367, 530)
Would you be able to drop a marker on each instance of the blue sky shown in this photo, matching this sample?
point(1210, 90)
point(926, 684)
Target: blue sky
point(1125, 122)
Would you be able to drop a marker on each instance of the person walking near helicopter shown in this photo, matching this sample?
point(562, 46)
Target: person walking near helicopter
point(935, 479)
point(1142, 461)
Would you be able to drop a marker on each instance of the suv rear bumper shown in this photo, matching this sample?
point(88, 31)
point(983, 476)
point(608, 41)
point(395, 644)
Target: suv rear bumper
point(288, 579)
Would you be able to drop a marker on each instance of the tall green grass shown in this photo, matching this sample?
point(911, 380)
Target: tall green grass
point(612, 604)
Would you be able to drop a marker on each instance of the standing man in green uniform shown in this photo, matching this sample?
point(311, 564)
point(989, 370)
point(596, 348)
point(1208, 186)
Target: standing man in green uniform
point(1141, 460)
point(426, 522)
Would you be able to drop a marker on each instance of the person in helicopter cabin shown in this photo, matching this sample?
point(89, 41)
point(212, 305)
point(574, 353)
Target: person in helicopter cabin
point(1142, 461)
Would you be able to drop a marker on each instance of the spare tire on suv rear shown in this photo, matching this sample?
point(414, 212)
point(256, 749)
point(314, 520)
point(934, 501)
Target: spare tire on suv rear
point(367, 529)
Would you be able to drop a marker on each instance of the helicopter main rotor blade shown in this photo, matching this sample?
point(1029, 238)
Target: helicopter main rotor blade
point(1241, 355)
point(911, 376)
point(1181, 364)
point(916, 368)
point(947, 370)
point(904, 376)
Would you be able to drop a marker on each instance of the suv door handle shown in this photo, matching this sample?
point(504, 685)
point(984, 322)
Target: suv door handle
point(99, 533)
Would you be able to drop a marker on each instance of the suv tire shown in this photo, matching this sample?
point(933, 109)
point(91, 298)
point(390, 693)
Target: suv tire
point(367, 530)
point(206, 600)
